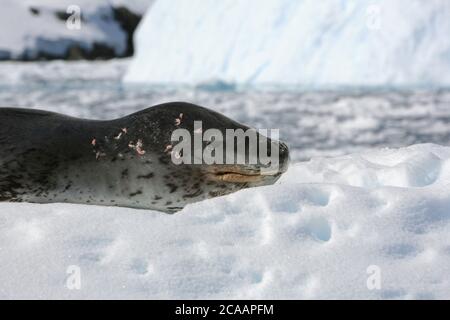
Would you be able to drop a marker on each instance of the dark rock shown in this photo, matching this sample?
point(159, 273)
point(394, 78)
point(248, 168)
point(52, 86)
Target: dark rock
point(34, 11)
point(129, 21)
point(69, 49)
point(74, 51)
point(62, 15)
point(5, 55)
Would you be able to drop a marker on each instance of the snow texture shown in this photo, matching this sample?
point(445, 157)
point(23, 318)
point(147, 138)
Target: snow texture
point(318, 233)
point(305, 43)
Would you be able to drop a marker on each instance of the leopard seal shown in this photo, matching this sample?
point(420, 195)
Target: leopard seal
point(47, 157)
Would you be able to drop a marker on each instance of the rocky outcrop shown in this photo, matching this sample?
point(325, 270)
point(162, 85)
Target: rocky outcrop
point(107, 32)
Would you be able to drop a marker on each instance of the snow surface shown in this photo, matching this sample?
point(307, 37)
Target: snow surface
point(23, 33)
point(312, 235)
point(295, 42)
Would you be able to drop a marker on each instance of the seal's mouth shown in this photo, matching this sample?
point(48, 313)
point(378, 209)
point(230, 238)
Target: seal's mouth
point(238, 174)
point(237, 177)
point(249, 173)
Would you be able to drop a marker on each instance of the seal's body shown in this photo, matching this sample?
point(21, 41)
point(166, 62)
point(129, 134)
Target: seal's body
point(48, 157)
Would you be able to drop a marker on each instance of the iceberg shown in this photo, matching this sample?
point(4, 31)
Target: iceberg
point(294, 43)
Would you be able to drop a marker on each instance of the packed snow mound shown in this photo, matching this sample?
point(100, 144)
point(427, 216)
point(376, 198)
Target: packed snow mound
point(37, 29)
point(416, 166)
point(294, 42)
point(370, 225)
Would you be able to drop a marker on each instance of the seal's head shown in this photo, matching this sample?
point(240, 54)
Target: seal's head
point(184, 153)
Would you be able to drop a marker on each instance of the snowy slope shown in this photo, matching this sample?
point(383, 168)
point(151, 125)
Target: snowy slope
point(36, 29)
point(295, 42)
point(315, 234)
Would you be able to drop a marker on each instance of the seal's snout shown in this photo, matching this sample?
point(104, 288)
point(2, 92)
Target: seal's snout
point(284, 156)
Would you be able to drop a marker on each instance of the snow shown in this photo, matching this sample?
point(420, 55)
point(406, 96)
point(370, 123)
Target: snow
point(303, 43)
point(45, 33)
point(318, 233)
